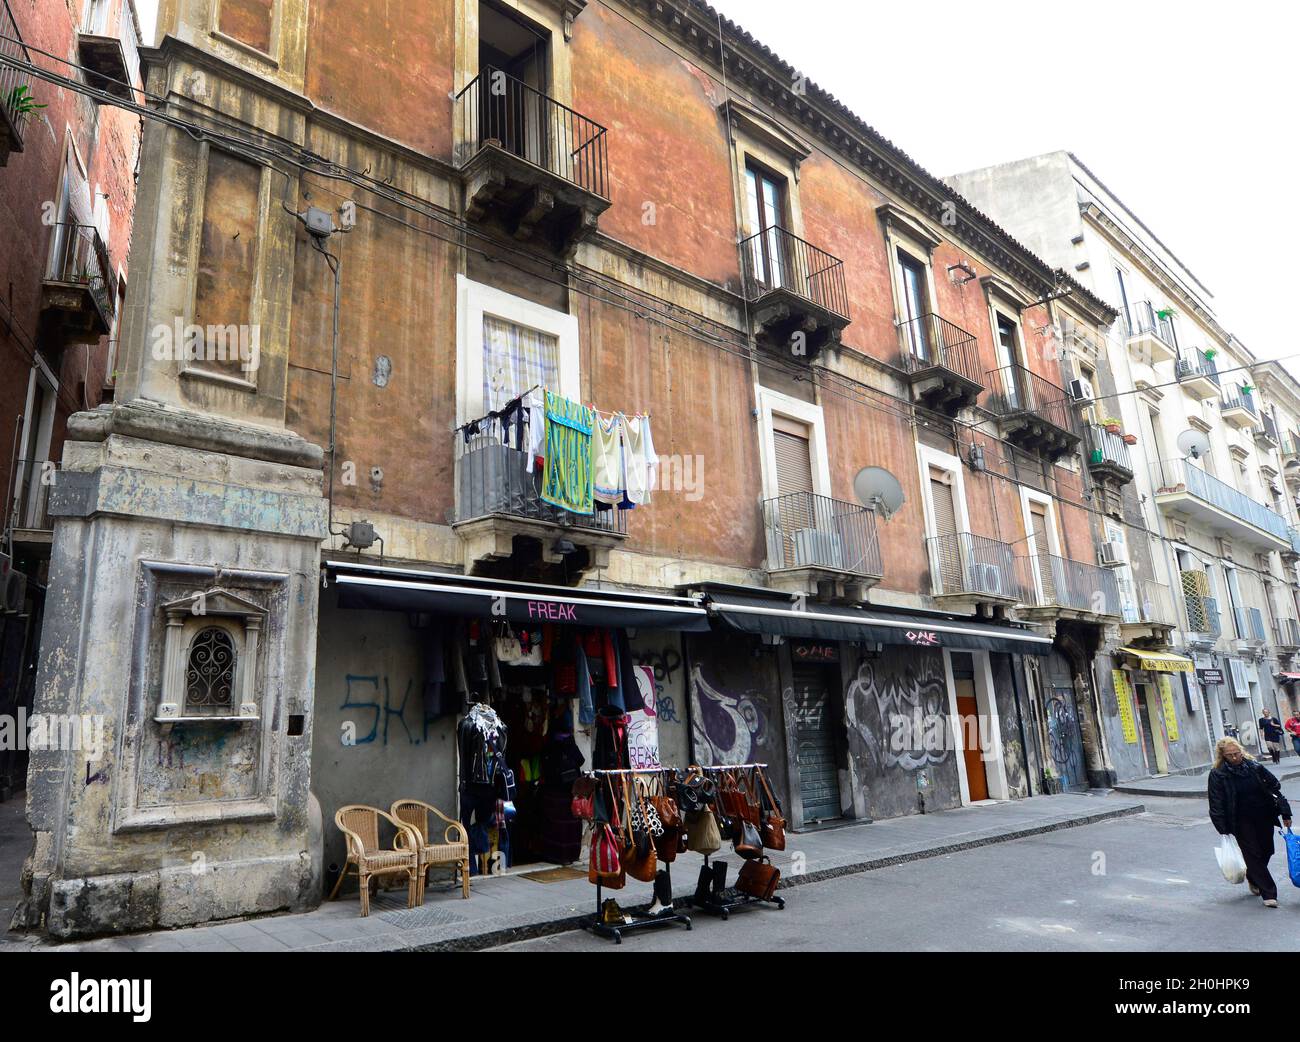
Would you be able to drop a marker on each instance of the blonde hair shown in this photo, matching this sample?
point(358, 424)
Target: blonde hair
point(1224, 744)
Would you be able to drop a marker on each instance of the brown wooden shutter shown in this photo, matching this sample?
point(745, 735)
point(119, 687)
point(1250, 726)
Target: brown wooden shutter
point(948, 554)
point(793, 457)
point(1043, 548)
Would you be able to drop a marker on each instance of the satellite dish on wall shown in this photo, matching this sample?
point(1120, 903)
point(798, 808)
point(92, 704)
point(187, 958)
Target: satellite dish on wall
point(878, 489)
point(1193, 443)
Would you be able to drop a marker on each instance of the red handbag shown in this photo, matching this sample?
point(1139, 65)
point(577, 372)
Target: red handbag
point(606, 868)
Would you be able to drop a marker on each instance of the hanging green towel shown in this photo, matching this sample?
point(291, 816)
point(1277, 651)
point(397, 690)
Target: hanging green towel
point(567, 481)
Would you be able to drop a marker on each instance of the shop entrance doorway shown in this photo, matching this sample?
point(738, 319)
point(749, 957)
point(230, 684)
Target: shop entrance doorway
point(816, 705)
point(968, 715)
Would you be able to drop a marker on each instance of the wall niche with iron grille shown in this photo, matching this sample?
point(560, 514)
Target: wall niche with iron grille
point(210, 660)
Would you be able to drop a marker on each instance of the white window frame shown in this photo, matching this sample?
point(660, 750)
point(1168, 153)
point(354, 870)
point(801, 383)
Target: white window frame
point(773, 403)
point(986, 704)
point(474, 300)
point(929, 458)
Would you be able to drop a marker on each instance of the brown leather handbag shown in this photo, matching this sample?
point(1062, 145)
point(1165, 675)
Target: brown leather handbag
point(772, 826)
point(758, 878)
point(638, 855)
point(672, 840)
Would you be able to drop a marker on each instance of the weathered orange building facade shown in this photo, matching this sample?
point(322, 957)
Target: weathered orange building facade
point(870, 514)
point(67, 196)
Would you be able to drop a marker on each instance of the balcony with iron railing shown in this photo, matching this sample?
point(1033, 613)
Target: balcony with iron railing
point(1292, 552)
point(1286, 635)
point(820, 545)
point(28, 510)
point(797, 295)
point(17, 104)
point(1198, 375)
point(108, 49)
point(1108, 455)
point(1034, 413)
point(499, 502)
point(1239, 409)
point(1147, 607)
point(78, 295)
point(941, 361)
point(1150, 333)
point(1182, 488)
point(1266, 436)
point(1065, 588)
point(533, 166)
point(978, 570)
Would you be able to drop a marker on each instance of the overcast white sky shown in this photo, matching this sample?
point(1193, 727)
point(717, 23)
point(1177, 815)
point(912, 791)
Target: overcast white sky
point(1184, 110)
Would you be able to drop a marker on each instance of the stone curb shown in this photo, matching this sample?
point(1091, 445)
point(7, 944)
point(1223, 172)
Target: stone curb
point(1139, 790)
point(546, 928)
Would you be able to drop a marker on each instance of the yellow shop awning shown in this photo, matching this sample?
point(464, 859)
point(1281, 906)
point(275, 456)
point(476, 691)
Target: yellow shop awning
point(1160, 663)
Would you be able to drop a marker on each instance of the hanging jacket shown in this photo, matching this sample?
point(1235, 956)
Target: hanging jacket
point(586, 706)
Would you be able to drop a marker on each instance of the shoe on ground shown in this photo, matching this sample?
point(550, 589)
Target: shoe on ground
point(1270, 903)
point(611, 914)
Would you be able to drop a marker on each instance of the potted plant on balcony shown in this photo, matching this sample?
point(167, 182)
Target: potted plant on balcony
point(1112, 425)
point(1165, 314)
point(20, 102)
point(1209, 353)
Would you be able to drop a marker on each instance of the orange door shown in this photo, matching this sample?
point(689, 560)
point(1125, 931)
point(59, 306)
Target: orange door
point(968, 715)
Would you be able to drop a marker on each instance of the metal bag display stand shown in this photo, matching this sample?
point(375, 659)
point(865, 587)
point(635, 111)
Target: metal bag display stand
point(635, 923)
point(722, 904)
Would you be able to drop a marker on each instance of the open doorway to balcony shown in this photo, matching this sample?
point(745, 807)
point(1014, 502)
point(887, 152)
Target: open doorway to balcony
point(514, 59)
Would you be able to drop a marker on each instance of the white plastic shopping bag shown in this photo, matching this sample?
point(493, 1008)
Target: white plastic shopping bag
point(1231, 862)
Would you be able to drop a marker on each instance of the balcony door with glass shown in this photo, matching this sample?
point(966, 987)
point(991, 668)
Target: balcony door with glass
point(914, 291)
point(514, 66)
point(1009, 363)
point(766, 210)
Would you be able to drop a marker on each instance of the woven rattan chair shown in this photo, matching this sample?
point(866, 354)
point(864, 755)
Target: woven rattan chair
point(360, 825)
point(453, 850)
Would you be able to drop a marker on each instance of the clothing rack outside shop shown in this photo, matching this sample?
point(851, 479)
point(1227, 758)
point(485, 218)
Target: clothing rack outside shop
point(669, 915)
point(723, 900)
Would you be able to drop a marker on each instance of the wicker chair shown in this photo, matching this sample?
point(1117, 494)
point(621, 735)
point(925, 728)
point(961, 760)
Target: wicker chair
point(360, 825)
point(453, 850)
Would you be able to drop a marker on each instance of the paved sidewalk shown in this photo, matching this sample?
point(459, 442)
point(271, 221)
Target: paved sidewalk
point(1194, 786)
point(507, 908)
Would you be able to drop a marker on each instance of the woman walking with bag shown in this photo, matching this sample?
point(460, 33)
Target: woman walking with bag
point(1245, 802)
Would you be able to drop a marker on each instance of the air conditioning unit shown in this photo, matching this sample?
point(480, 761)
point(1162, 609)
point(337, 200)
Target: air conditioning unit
point(814, 548)
point(988, 579)
point(13, 591)
point(1081, 391)
point(1111, 554)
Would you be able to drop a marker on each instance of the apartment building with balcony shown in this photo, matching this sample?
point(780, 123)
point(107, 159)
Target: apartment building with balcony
point(866, 559)
point(1184, 456)
point(67, 190)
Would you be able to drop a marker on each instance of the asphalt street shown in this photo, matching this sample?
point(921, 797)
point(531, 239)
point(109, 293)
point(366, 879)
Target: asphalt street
point(1143, 883)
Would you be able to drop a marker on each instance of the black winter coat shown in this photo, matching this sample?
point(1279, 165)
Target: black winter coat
point(1223, 796)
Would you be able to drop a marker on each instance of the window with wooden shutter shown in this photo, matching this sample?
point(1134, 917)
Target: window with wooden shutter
point(1043, 550)
point(793, 456)
point(947, 550)
point(801, 543)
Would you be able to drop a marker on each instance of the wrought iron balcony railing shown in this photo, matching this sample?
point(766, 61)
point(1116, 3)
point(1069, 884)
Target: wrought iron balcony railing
point(493, 479)
point(931, 341)
point(79, 257)
point(1203, 615)
point(15, 85)
point(1013, 389)
point(1172, 476)
point(32, 482)
point(494, 108)
point(1293, 535)
point(1241, 400)
point(810, 531)
point(777, 259)
point(1107, 450)
point(1157, 605)
point(962, 564)
point(1143, 318)
point(1064, 583)
point(1196, 366)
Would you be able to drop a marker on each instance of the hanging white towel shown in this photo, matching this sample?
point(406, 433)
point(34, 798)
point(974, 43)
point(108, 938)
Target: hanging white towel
point(640, 464)
point(536, 427)
point(606, 459)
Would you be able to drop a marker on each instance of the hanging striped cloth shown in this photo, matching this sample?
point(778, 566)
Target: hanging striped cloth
point(567, 482)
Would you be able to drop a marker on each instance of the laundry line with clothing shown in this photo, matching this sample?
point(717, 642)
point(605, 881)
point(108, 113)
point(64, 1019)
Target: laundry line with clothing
point(587, 460)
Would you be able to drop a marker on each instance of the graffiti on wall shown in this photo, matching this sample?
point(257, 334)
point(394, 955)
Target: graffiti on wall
point(727, 727)
point(1063, 737)
point(907, 696)
point(666, 664)
point(380, 714)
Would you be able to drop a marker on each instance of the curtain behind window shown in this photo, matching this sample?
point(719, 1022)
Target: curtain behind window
point(515, 359)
